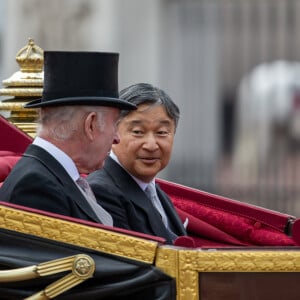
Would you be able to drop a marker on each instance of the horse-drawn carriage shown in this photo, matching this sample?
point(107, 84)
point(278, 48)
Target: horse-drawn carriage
point(233, 251)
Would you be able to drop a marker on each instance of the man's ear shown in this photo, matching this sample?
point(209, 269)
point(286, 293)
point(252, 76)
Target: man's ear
point(90, 125)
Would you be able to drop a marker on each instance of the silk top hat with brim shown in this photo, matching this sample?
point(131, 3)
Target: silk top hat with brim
point(80, 78)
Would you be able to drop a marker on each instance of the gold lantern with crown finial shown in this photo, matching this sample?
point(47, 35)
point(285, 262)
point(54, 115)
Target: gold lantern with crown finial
point(23, 86)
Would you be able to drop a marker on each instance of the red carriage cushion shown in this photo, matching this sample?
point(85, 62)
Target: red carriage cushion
point(219, 221)
point(7, 161)
point(12, 138)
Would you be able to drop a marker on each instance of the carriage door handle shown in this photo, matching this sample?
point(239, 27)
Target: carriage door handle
point(81, 265)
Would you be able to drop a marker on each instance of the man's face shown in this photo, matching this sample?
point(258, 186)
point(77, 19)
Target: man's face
point(146, 141)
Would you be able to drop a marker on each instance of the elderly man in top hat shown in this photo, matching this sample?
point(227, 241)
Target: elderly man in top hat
point(78, 112)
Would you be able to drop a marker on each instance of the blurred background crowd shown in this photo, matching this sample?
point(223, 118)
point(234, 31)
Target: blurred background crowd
point(232, 66)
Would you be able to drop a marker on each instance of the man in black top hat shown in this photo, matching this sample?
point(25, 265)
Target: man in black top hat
point(78, 112)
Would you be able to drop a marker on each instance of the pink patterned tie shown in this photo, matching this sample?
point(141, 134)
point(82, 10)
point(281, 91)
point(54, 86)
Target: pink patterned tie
point(101, 213)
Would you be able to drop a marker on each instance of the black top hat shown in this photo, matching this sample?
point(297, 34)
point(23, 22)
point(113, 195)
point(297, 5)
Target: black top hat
point(80, 78)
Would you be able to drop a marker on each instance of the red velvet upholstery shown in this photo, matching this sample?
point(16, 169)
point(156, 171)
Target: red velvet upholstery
point(203, 233)
point(296, 231)
point(7, 160)
point(219, 221)
point(13, 143)
point(12, 138)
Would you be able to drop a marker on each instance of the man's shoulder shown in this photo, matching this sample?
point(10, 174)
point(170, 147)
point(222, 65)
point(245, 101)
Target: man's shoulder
point(114, 181)
point(97, 175)
point(29, 180)
point(102, 182)
point(104, 186)
point(111, 173)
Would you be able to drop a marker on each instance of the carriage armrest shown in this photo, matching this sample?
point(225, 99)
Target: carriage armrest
point(12, 138)
point(84, 222)
point(225, 221)
point(7, 161)
point(295, 228)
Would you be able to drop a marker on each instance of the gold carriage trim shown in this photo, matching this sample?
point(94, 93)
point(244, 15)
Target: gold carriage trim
point(252, 260)
point(190, 264)
point(78, 234)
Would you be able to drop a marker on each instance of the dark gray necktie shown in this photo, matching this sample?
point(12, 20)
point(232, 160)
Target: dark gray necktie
point(101, 213)
point(152, 195)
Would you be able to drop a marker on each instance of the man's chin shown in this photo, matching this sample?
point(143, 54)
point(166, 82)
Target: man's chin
point(146, 177)
point(100, 166)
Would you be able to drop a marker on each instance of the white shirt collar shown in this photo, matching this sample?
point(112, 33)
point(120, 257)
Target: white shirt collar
point(143, 185)
point(59, 155)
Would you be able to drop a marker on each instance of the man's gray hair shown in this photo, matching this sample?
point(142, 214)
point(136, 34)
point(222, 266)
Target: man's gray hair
point(145, 93)
point(62, 122)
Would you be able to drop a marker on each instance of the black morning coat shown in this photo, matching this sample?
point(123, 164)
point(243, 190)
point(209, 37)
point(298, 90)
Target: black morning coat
point(128, 204)
point(39, 181)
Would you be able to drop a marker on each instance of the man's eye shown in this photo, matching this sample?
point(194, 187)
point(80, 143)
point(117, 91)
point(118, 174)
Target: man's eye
point(137, 132)
point(162, 133)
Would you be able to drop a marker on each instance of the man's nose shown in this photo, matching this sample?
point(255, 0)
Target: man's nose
point(150, 142)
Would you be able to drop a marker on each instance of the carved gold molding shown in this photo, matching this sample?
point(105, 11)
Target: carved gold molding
point(22, 92)
point(186, 265)
point(78, 234)
point(167, 260)
point(19, 107)
point(254, 260)
point(193, 262)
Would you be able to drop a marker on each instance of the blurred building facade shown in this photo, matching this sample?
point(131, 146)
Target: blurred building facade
point(198, 51)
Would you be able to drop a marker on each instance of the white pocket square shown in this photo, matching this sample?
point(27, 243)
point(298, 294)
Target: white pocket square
point(186, 222)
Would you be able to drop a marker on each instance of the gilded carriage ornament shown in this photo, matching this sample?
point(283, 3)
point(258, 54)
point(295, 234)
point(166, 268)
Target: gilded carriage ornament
point(23, 86)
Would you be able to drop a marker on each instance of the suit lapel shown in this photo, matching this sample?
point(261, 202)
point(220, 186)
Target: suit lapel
point(136, 195)
point(174, 220)
point(63, 177)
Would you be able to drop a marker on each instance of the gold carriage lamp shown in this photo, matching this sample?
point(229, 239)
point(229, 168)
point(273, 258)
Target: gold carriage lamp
point(23, 86)
point(81, 265)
